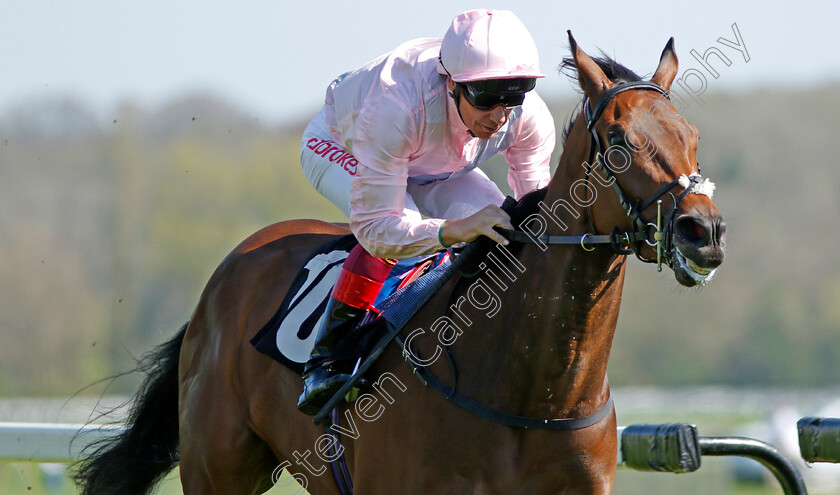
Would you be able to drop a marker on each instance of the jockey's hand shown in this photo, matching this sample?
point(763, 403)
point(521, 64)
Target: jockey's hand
point(481, 223)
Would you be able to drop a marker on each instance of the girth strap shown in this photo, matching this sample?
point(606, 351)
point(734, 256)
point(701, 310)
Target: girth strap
point(335, 451)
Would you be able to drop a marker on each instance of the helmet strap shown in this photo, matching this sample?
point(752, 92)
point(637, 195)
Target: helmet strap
point(456, 95)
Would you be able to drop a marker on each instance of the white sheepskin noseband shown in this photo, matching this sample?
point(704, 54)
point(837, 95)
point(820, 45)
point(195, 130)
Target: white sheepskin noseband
point(700, 185)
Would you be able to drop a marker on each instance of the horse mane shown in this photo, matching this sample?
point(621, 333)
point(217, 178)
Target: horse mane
point(614, 71)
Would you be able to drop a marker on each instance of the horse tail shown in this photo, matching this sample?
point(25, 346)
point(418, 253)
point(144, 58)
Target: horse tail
point(135, 460)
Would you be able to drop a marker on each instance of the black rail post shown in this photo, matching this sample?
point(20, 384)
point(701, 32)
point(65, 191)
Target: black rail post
point(819, 439)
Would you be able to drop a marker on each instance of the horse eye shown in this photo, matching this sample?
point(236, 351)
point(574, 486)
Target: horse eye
point(615, 139)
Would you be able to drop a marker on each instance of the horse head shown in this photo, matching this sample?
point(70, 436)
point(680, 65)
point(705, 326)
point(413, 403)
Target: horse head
point(646, 152)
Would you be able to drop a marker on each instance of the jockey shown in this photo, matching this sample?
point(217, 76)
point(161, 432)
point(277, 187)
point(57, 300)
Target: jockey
point(396, 148)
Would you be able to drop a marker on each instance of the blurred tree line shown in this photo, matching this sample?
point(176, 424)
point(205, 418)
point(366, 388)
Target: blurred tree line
point(111, 226)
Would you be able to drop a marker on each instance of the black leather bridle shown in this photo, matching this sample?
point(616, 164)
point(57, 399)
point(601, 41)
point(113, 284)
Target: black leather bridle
point(655, 234)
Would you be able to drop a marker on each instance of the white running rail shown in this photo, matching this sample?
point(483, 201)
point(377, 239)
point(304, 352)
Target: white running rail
point(49, 442)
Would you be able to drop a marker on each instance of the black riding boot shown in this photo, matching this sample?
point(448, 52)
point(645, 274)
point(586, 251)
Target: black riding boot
point(321, 378)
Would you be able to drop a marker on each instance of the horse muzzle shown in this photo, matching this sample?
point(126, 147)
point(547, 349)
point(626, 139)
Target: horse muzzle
point(698, 243)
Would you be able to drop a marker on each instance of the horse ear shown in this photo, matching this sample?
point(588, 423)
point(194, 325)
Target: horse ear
point(592, 79)
point(667, 69)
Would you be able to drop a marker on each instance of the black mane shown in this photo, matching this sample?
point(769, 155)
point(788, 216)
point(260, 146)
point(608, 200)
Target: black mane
point(613, 70)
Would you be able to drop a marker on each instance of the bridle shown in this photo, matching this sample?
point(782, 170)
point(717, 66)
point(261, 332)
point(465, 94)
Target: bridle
point(662, 238)
point(657, 234)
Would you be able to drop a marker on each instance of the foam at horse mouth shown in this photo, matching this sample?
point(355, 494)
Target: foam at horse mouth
point(697, 273)
point(696, 268)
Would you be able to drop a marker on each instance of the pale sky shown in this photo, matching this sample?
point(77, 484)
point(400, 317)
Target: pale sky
point(275, 58)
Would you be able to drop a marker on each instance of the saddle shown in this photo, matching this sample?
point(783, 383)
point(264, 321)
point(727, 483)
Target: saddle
point(290, 334)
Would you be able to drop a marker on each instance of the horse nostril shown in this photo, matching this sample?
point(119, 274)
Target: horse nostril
point(695, 230)
point(720, 231)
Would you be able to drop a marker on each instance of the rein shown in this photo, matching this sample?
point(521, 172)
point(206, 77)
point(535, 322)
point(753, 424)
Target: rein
point(428, 379)
point(395, 321)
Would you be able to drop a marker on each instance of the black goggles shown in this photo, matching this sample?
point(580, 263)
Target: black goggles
point(486, 94)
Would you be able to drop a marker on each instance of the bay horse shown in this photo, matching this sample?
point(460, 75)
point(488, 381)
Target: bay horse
point(534, 341)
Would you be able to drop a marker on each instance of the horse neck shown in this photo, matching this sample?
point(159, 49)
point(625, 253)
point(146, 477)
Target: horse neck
point(559, 318)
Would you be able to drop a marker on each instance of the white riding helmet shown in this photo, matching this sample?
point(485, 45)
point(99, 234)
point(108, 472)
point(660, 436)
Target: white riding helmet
point(488, 44)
